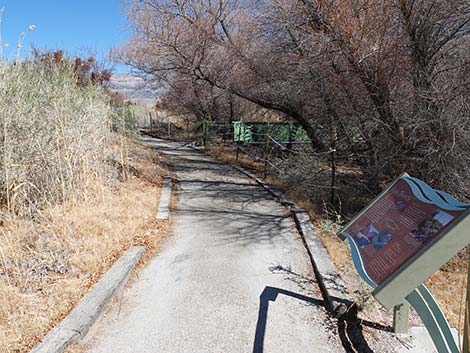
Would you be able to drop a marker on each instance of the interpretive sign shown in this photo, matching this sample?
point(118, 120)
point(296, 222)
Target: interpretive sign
point(403, 237)
point(400, 223)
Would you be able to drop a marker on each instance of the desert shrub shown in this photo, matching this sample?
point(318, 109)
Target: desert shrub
point(53, 134)
point(306, 176)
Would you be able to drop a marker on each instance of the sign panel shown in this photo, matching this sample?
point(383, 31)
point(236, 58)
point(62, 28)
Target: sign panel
point(401, 222)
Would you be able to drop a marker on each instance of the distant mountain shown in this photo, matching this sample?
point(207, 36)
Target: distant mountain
point(134, 88)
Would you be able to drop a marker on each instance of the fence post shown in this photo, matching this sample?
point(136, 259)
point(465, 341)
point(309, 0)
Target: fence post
point(204, 133)
point(266, 155)
point(238, 153)
point(334, 138)
point(466, 330)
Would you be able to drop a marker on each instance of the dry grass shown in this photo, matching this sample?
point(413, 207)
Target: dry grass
point(48, 263)
point(73, 195)
point(228, 155)
point(448, 286)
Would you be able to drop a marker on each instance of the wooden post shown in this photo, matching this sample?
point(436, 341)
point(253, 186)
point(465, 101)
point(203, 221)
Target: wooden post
point(238, 153)
point(401, 318)
point(334, 138)
point(466, 330)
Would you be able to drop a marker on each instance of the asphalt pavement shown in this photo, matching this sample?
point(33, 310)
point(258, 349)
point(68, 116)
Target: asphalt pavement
point(233, 277)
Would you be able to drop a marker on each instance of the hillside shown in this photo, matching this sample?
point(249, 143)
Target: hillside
point(134, 88)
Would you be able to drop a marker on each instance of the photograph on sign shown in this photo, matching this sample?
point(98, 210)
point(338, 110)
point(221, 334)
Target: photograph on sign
point(431, 226)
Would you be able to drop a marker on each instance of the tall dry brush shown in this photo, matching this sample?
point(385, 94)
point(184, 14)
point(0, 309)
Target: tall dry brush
point(52, 137)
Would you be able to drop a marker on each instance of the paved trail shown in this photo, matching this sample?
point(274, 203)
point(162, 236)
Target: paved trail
point(234, 277)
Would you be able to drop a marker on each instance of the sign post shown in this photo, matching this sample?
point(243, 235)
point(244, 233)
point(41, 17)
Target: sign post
point(401, 318)
point(466, 332)
point(398, 241)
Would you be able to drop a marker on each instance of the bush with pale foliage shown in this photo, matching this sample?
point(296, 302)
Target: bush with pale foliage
point(53, 134)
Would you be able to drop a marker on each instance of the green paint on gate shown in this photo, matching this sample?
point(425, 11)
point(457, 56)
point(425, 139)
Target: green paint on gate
point(252, 132)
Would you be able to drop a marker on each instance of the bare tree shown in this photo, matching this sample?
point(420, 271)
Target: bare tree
point(392, 77)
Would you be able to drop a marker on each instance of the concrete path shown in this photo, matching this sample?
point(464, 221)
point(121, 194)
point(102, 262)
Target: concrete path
point(234, 277)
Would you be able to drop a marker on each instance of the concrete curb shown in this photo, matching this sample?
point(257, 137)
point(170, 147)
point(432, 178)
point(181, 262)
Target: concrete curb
point(163, 207)
point(76, 324)
point(163, 210)
point(331, 284)
point(273, 191)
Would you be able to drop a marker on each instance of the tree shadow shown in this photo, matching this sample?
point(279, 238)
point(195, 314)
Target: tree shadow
point(350, 332)
point(348, 326)
point(251, 218)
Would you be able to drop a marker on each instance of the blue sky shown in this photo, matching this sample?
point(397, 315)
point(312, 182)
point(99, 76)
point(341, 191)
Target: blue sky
point(76, 26)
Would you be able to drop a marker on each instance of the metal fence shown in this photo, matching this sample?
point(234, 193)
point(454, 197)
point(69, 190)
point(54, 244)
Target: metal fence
point(264, 143)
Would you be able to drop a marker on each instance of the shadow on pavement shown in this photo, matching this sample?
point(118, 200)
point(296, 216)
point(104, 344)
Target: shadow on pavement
point(348, 326)
point(249, 220)
point(270, 294)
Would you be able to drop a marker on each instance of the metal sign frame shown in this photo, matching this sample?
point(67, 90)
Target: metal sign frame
point(405, 283)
